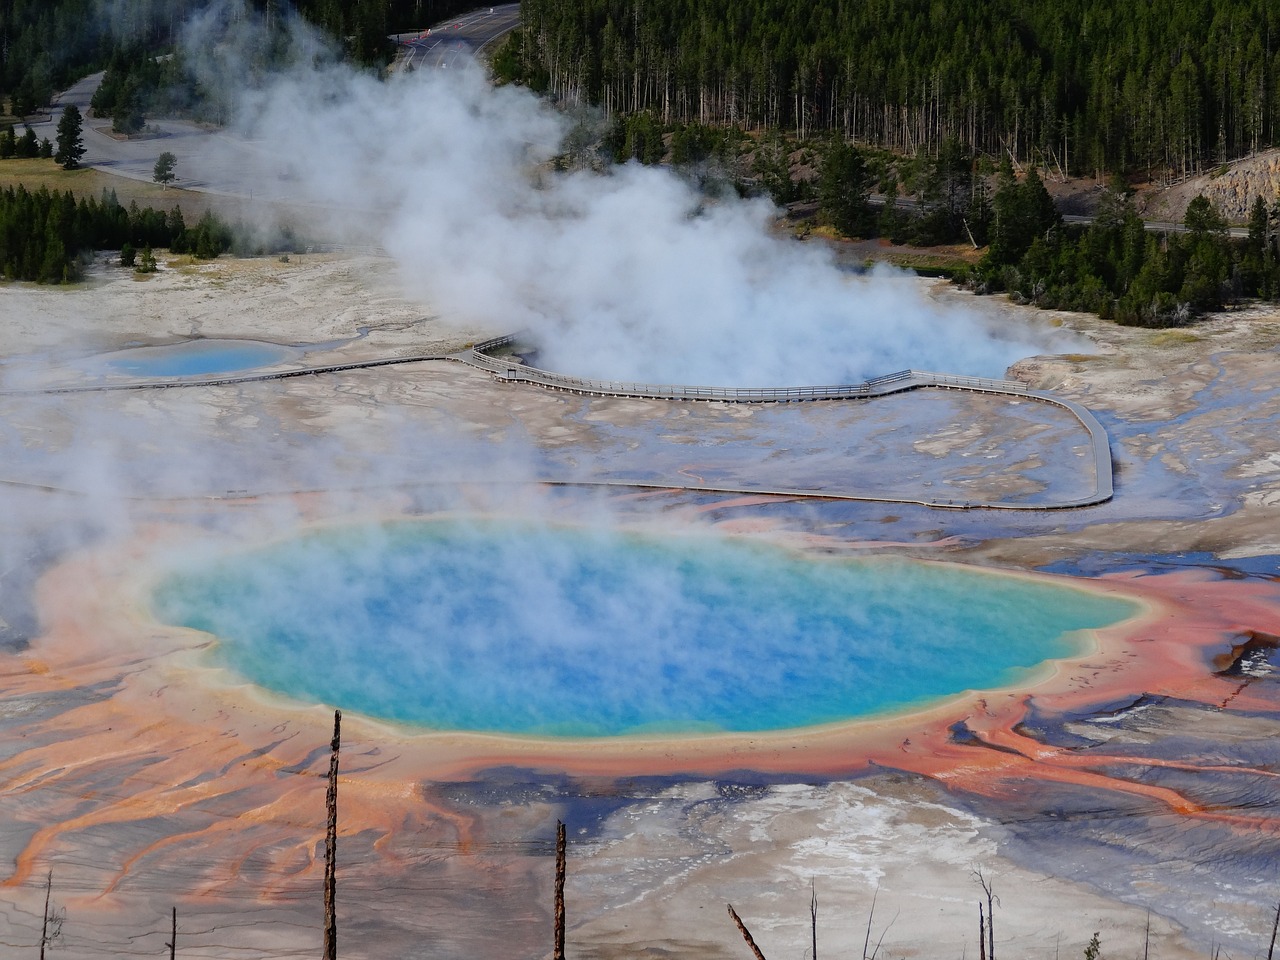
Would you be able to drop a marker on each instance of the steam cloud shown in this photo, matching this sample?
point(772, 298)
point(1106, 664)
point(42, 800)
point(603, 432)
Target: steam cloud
point(632, 275)
point(629, 275)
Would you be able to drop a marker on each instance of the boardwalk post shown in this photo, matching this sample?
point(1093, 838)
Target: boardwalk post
point(558, 950)
point(331, 845)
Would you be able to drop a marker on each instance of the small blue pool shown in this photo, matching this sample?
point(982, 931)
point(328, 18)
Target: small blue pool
point(193, 358)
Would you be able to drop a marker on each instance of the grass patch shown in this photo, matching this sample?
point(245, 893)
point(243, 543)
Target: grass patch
point(89, 182)
point(1174, 338)
point(930, 264)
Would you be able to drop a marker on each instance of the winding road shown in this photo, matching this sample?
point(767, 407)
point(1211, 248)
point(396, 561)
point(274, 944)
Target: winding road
point(466, 36)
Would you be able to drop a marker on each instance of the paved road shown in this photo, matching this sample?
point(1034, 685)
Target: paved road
point(216, 161)
point(1152, 226)
point(1163, 226)
point(210, 160)
point(467, 35)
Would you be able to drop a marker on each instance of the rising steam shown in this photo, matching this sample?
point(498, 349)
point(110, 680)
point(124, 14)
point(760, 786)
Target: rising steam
point(630, 275)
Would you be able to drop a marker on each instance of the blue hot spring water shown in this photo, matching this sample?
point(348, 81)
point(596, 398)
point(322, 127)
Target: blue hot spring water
point(571, 632)
point(194, 358)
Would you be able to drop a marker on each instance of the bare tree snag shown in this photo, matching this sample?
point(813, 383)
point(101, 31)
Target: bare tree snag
point(51, 928)
point(982, 933)
point(561, 847)
point(44, 929)
point(746, 934)
point(871, 916)
point(1275, 928)
point(991, 927)
point(173, 936)
point(992, 900)
point(813, 916)
point(883, 933)
point(331, 846)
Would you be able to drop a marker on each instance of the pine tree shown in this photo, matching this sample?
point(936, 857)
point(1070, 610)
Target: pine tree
point(70, 143)
point(842, 189)
point(163, 173)
point(28, 147)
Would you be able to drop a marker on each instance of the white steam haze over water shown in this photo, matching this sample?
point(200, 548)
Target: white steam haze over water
point(630, 275)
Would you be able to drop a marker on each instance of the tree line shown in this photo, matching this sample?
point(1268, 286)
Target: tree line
point(45, 234)
point(1117, 269)
point(1168, 87)
point(1113, 266)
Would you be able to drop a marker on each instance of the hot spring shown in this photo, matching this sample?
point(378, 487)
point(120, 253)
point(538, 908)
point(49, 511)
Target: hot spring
point(193, 358)
point(554, 631)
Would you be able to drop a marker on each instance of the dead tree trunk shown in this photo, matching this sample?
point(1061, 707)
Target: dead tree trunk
point(44, 929)
point(813, 916)
point(988, 889)
point(1275, 928)
point(746, 934)
point(331, 846)
point(871, 917)
point(991, 927)
point(558, 950)
point(173, 936)
point(982, 934)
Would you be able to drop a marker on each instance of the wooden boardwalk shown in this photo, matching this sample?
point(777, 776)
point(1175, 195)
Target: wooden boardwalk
point(513, 371)
point(506, 369)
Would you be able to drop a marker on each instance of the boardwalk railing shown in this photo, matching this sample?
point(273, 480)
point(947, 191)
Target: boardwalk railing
point(481, 355)
point(509, 369)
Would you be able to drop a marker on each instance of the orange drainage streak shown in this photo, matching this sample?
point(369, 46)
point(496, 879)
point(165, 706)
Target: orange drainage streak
point(1200, 616)
point(211, 767)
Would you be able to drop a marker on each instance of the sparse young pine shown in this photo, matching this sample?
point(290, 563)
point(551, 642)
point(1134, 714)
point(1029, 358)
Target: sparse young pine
point(70, 143)
point(163, 173)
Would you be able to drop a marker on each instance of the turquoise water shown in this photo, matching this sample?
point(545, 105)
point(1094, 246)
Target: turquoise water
point(195, 358)
point(571, 632)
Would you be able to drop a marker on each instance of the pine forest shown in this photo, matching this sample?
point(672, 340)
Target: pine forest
point(1164, 88)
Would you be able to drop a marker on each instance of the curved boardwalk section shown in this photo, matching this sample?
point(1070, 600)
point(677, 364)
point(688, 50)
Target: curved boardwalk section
point(482, 355)
point(514, 371)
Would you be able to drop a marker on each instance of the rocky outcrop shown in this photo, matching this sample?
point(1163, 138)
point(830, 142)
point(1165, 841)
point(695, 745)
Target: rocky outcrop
point(1231, 188)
